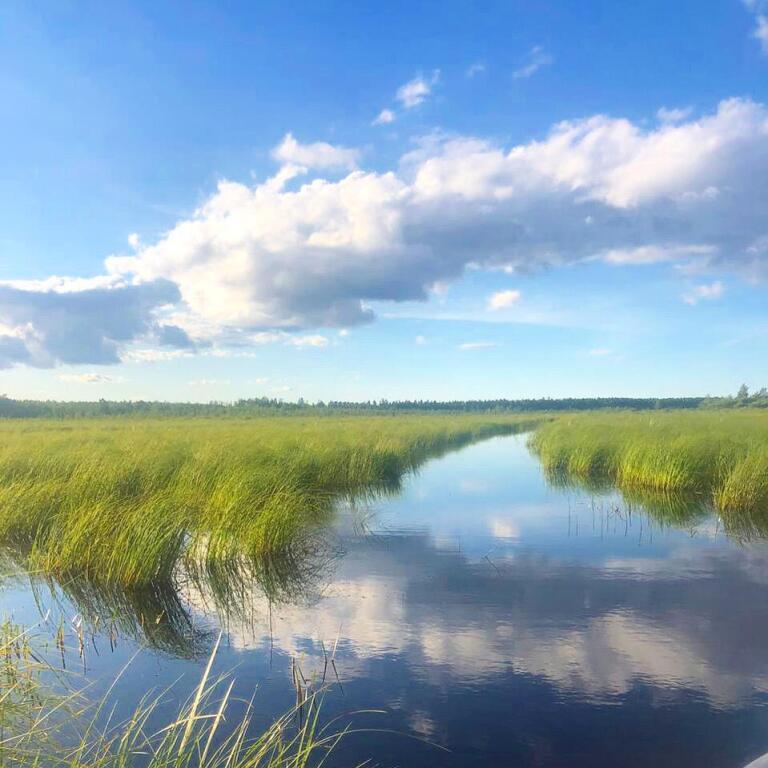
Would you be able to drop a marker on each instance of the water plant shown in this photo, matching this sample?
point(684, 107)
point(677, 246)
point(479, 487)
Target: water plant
point(126, 500)
point(57, 727)
point(721, 457)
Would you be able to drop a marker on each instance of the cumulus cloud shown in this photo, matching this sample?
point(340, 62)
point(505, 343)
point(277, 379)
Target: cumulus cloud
point(761, 32)
point(478, 68)
point(655, 254)
point(760, 10)
point(469, 346)
point(384, 117)
point(319, 155)
point(256, 263)
point(537, 59)
point(13, 350)
point(409, 95)
point(173, 336)
point(153, 355)
point(80, 321)
point(313, 340)
point(416, 91)
point(673, 114)
point(503, 299)
point(268, 258)
point(706, 292)
point(90, 378)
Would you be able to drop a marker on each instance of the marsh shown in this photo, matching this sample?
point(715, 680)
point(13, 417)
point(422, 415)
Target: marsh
point(488, 615)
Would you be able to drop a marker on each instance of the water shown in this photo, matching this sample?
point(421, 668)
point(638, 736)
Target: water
point(486, 614)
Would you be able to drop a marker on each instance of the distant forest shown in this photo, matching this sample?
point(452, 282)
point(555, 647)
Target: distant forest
point(10, 408)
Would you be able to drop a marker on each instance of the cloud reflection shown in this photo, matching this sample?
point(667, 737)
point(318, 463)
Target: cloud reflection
point(681, 624)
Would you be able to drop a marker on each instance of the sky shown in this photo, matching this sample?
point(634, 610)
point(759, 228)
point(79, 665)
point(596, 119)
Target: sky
point(209, 201)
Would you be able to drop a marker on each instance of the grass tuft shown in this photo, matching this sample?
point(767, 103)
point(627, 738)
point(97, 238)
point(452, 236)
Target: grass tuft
point(125, 501)
point(720, 457)
point(58, 729)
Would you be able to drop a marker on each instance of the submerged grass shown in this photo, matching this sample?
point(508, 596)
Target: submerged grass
point(720, 456)
point(124, 501)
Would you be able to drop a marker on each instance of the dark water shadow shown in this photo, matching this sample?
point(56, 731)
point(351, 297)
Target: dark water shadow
point(680, 509)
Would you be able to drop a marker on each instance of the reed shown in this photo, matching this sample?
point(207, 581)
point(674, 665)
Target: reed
point(124, 501)
point(56, 727)
point(719, 456)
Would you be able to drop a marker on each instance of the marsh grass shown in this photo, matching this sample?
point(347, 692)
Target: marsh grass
point(125, 501)
point(716, 458)
point(59, 728)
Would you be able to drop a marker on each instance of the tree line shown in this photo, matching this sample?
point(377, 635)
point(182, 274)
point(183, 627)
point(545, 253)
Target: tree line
point(11, 408)
point(742, 399)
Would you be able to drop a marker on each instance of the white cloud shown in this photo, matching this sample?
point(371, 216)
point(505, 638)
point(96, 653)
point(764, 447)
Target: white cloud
point(472, 345)
point(706, 292)
point(308, 341)
point(673, 114)
point(420, 341)
point(134, 241)
point(655, 254)
point(255, 262)
point(760, 10)
point(439, 288)
point(315, 256)
point(319, 155)
point(385, 117)
point(600, 352)
point(415, 91)
point(761, 32)
point(152, 355)
point(503, 299)
point(263, 338)
point(90, 378)
point(536, 59)
point(587, 649)
point(208, 382)
point(478, 68)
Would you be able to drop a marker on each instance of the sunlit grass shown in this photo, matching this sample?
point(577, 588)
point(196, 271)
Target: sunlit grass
point(719, 456)
point(126, 500)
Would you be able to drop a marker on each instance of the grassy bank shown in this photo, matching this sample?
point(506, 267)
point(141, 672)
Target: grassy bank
point(125, 500)
point(721, 456)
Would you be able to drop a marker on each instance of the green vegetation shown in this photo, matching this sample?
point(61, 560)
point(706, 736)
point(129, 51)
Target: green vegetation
point(52, 726)
point(125, 500)
point(263, 406)
point(743, 399)
point(719, 456)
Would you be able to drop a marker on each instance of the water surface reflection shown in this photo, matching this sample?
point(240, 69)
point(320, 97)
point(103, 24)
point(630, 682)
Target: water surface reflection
point(512, 622)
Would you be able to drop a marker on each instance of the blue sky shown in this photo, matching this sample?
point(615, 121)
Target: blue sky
point(405, 200)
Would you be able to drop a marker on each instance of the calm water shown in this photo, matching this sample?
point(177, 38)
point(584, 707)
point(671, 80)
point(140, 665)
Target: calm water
point(511, 623)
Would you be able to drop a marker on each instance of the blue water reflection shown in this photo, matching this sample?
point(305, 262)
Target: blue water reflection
point(506, 621)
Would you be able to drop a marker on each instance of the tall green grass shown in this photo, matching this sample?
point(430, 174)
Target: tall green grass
point(719, 456)
point(48, 726)
point(124, 501)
